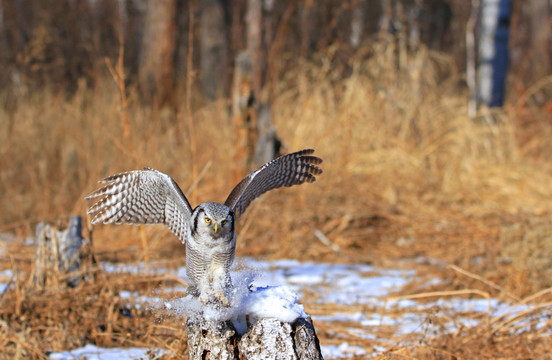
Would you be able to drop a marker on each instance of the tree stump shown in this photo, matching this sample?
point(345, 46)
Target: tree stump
point(256, 141)
point(268, 145)
point(265, 339)
point(211, 340)
point(58, 254)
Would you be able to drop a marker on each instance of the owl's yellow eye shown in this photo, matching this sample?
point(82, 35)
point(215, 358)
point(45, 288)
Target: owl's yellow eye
point(207, 220)
point(223, 222)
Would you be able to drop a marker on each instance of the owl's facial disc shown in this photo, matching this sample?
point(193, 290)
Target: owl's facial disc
point(217, 225)
point(222, 226)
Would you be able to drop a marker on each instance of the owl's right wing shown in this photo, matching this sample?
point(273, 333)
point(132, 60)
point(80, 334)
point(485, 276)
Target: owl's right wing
point(141, 197)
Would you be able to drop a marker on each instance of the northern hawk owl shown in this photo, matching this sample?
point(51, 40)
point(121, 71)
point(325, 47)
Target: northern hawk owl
point(151, 197)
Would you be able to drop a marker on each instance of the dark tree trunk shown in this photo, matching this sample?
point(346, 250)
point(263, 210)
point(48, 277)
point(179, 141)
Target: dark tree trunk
point(358, 23)
point(540, 37)
point(253, 19)
point(134, 31)
point(11, 29)
point(156, 74)
point(213, 48)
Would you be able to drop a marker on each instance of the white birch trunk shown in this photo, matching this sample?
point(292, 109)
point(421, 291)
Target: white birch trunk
point(486, 47)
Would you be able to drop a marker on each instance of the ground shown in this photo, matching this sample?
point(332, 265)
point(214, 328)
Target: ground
point(453, 258)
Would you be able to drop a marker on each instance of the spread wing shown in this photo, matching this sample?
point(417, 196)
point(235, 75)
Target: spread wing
point(288, 170)
point(141, 197)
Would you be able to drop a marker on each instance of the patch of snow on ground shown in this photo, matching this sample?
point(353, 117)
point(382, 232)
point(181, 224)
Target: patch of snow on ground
point(343, 350)
point(5, 277)
point(3, 287)
point(91, 352)
point(137, 268)
point(342, 284)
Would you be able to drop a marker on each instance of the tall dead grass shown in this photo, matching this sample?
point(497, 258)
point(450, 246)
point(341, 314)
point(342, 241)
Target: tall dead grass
point(57, 148)
point(407, 135)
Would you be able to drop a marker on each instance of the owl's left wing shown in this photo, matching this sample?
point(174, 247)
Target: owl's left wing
point(141, 197)
point(287, 170)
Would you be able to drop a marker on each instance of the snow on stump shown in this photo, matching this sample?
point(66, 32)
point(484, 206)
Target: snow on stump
point(262, 324)
point(58, 254)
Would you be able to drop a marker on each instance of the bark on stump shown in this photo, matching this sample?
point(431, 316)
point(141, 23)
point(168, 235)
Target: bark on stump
point(266, 339)
point(58, 254)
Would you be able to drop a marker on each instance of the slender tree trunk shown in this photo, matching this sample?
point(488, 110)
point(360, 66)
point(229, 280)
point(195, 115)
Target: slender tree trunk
point(243, 115)
point(357, 23)
point(384, 27)
point(135, 12)
point(11, 30)
point(414, 25)
point(471, 65)
point(253, 20)
point(11, 44)
point(156, 59)
point(400, 28)
point(213, 48)
point(306, 19)
point(540, 37)
point(270, 24)
point(493, 51)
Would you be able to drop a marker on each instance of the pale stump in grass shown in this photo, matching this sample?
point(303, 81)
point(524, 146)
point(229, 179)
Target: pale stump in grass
point(59, 251)
point(266, 339)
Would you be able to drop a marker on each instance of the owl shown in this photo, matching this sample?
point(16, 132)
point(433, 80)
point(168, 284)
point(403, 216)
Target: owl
point(151, 197)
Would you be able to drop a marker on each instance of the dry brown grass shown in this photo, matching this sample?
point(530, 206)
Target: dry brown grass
point(34, 324)
point(407, 174)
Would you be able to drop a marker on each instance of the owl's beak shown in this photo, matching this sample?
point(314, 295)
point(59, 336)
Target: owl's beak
point(216, 227)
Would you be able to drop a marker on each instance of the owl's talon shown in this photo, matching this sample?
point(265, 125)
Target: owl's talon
point(215, 299)
point(222, 299)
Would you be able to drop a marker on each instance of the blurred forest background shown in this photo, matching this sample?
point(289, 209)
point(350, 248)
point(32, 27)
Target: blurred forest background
point(379, 87)
point(59, 44)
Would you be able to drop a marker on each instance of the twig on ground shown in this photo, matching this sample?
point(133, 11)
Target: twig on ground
point(324, 240)
point(484, 281)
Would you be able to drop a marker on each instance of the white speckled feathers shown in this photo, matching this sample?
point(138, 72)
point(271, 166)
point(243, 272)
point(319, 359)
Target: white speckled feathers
point(141, 197)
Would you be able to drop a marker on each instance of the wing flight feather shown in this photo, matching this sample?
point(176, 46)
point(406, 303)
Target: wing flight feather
point(287, 170)
point(143, 196)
